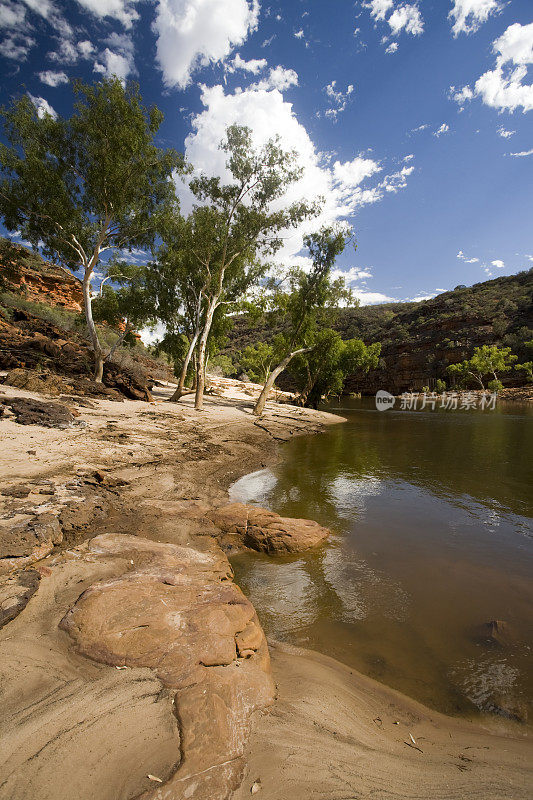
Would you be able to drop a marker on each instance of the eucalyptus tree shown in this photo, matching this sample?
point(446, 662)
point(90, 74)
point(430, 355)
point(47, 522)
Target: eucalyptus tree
point(91, 183)
point(236, 226)
point(300, 304)
point(322, 371)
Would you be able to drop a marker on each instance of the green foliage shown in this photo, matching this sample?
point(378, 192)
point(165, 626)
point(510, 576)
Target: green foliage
point(68, 182)
point(425, 389)
point(256, 361)
point(495, 385)
point(486, 360)
point(221, 365)
point(321, 373)
point(440, 386)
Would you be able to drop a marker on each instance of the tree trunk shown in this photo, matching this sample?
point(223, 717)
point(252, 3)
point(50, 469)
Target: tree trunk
point(97, 348)
point(200, 367)
point(269, 383)
point(183, 376)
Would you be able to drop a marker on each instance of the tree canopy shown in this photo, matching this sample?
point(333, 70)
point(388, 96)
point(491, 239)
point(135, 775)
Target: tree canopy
point(91, 183)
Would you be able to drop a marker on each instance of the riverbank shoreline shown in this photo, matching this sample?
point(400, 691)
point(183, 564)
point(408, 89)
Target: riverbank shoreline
point(150, 470)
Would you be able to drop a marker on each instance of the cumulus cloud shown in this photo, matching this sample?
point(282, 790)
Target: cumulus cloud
point(468, 15)
point(195, 33)
point(278, 78)
point(401, 17)
point(338, 99)
point(299, 34)
point(367, 298)
point(498, 263)
point(504, 87)
point(393, 46)
point(122, 10)
point(118, 58)
point(343, 186)
point(505, 134)
point(461, 96)
point(42, 106)
point(352, 275)
point(254, 65)
point(52, 78)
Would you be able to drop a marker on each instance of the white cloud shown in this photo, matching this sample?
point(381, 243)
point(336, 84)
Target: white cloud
point(52, 78)
point(299, 34)
point(503, 87)
point(420, 297)
point(462, 256)
point(352, 173)
point(338, 99)
point(195, 33)
point(372, 298)
point(70, 52)
point(403, 17)
point(406, 17)
point(351, 275)
point(254, 65)
point(444, 128)
point(409, 157)
point(344, 186)
point(42, 106)
point(498, 263)
point(468, 15)
point(12, 15)
point(504, 133)
point(379, 8)
point(122, 10)
point(420, 128)
point(117, 58)
point(522, 154)
point(16, 46)
point(278, 78)
point(461, 96)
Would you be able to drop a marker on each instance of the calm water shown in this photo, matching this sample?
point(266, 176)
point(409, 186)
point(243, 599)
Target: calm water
point(433, 536)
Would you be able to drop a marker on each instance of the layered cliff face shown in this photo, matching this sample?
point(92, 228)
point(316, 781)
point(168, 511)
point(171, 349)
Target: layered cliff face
point(420, 340)
point(27, 274)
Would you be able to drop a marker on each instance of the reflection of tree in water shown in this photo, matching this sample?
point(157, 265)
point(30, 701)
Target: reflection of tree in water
point(451, 454)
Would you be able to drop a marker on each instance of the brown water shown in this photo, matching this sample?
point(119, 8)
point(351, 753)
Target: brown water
point(433, 536)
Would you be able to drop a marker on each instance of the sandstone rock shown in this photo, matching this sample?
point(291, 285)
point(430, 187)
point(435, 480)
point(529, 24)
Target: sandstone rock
point(31, 381)
point(266, 531)
point(26, 542)
point(176, 611)
point(15, 592)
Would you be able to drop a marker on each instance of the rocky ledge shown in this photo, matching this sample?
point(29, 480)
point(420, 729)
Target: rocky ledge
point(265, 531)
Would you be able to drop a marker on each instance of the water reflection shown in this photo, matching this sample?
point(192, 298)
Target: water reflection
point(431, 516)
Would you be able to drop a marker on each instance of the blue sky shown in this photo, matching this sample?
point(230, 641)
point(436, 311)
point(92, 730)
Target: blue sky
point(412, 120)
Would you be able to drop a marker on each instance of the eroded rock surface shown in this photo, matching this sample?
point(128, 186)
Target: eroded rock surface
point(174, 609)
point(35, 412)
point(266, 531)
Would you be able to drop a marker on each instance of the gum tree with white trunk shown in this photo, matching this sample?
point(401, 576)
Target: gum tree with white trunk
point(93, 183)
point(235, 226)
point(307, 294)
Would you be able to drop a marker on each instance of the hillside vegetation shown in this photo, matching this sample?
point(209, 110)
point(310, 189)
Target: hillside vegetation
point(419, 340)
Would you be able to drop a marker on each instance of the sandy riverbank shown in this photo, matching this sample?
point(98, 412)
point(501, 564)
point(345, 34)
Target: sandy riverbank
point(94, 731)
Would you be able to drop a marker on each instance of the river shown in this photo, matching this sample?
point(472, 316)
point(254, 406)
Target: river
point(431, 513)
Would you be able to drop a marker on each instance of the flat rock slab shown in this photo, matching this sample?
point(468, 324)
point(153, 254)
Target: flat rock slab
point(266, 531)
point(176, 610)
